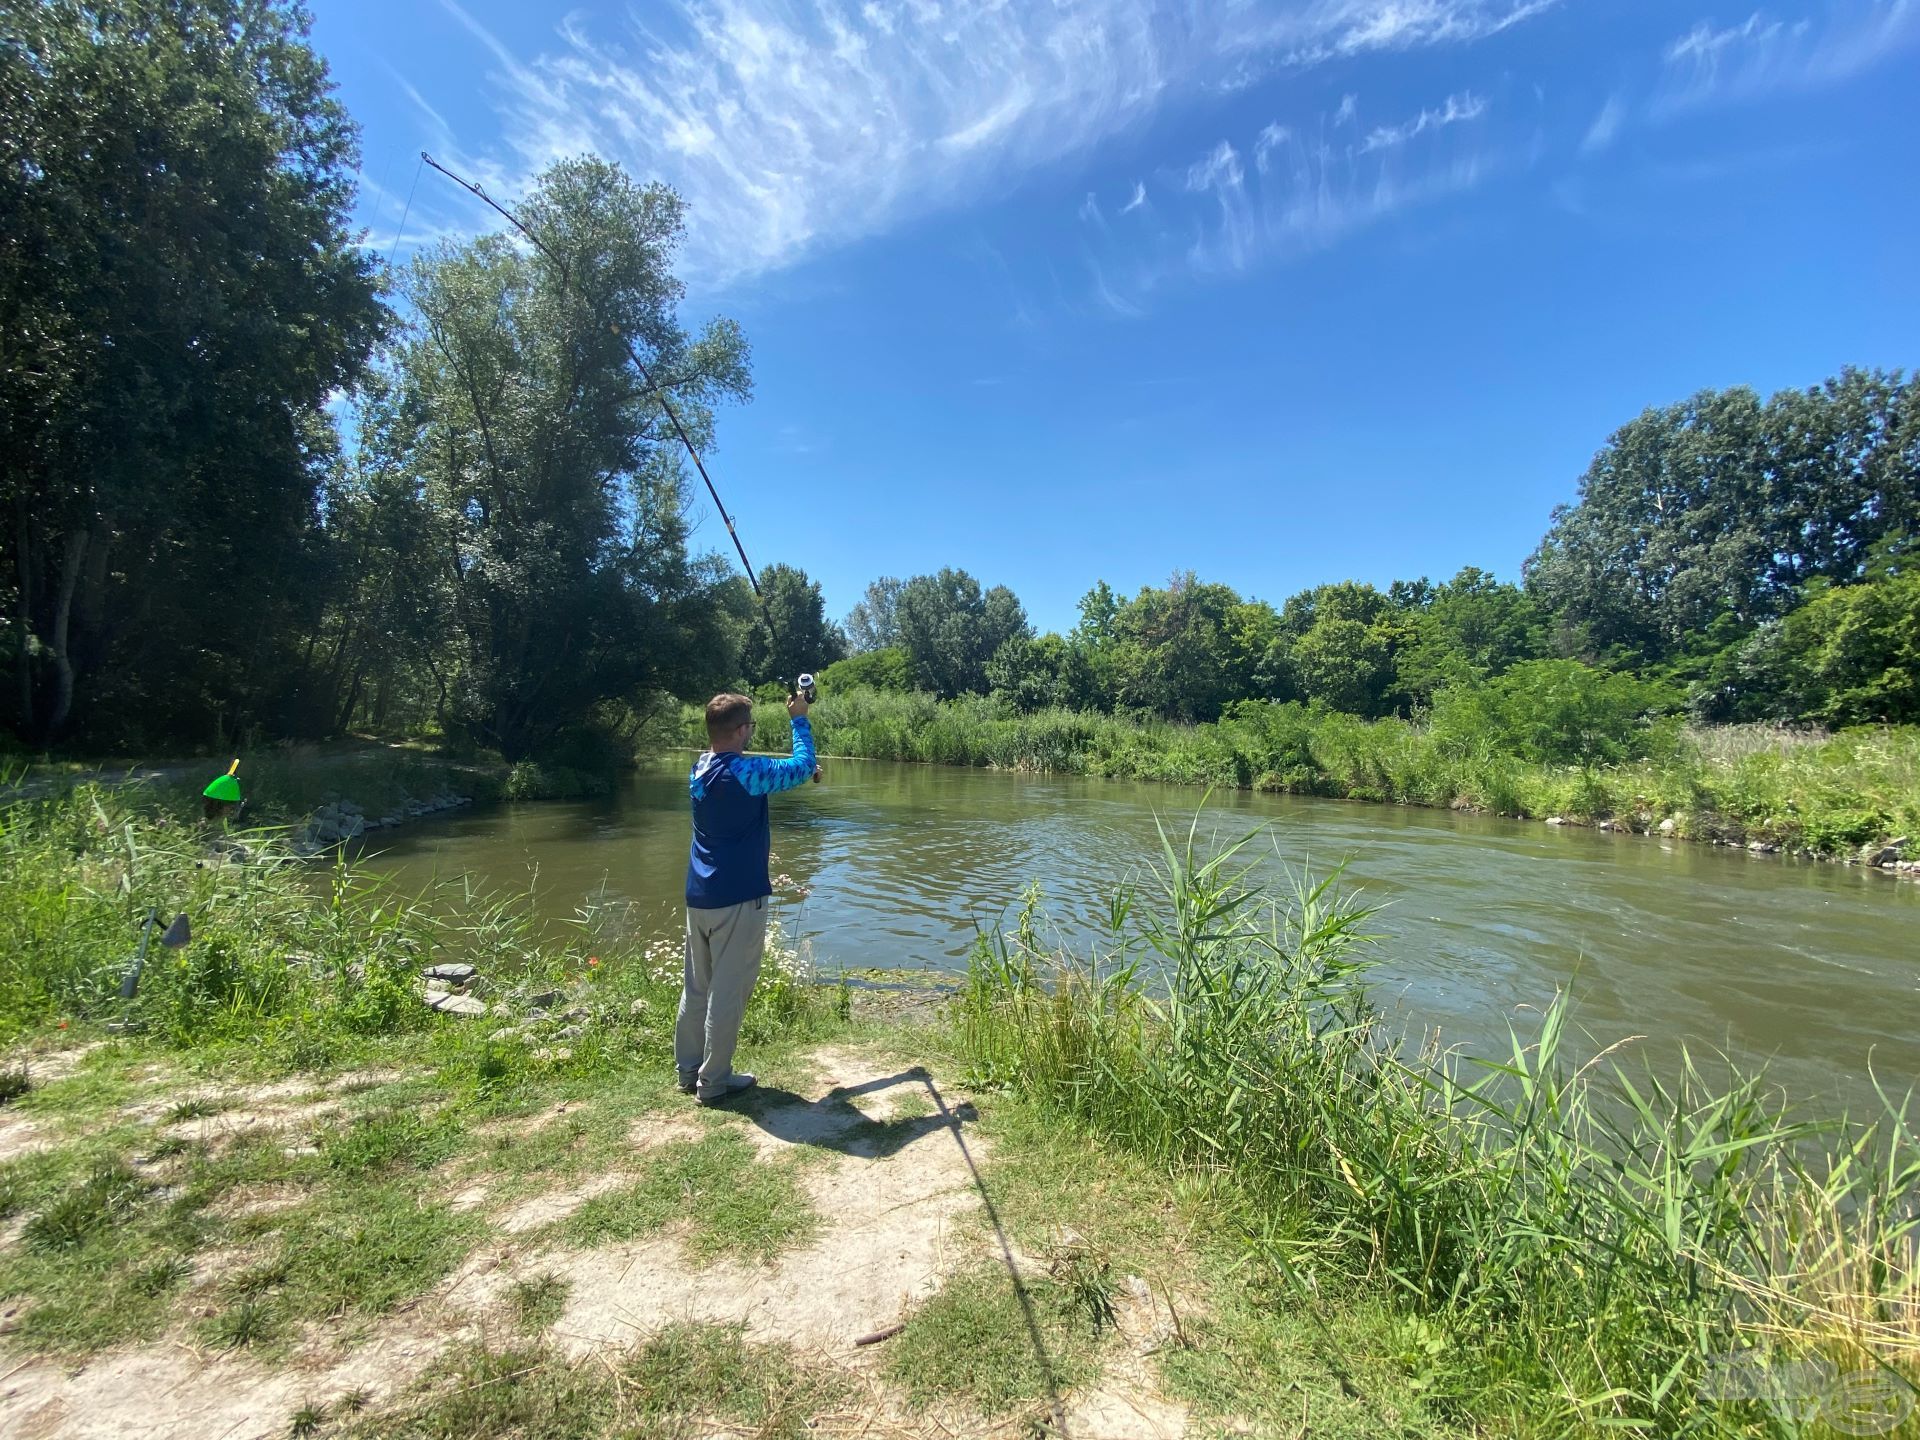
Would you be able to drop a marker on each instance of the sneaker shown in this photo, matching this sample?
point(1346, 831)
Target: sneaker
point(689, 1081)
point(732, 1085)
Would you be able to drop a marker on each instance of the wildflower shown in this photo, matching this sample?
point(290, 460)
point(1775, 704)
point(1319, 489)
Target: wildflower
point(63, 1024)
point(593, 961)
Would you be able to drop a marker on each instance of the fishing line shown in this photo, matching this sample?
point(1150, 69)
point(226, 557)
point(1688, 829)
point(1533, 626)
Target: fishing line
point(406, 210)
point(673, 417)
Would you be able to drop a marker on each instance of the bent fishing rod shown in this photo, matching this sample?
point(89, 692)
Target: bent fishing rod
point(805, 682)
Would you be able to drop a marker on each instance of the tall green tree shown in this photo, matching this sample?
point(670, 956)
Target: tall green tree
point(1470, 628)
point(872, 624)
point(1338, 645)
point(553, 479)
point(801, 638)
point(950, 629)
point(1179, 651)
point(179, 295)
point(1849, 656)
point(1722, 508)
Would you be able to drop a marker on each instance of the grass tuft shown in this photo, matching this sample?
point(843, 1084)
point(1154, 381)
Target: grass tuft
point(537, 1302)
point(103, 1199)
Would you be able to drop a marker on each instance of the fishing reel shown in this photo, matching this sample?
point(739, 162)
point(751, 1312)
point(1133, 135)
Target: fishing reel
point(806, 689)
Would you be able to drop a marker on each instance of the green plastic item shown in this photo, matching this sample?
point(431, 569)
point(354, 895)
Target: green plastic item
point(224, 787)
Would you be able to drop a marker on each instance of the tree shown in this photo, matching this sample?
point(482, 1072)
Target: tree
point(802, 639)
point(555, 484)
point(1177, 651)
point(1724, 507)
point(179, 295)
point(950, 629)
point(1849, 656)
point(1338, 644)
point(1029, 674)
point(872, 669)
point(871, 624)
point(1468, 629)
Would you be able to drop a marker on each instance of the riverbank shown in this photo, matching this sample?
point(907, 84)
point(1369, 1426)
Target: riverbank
point(1853, 797)
point(290, 1192)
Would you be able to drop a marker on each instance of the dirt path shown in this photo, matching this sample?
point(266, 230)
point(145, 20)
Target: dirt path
point(898, 1180)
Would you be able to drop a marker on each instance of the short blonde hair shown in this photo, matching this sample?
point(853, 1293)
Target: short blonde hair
point(727, 712)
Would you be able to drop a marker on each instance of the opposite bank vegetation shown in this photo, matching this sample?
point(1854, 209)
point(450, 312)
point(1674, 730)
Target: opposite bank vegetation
point(1554, 1250)
point(1854, 795)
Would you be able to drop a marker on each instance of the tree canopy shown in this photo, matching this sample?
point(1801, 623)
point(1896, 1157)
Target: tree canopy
point(179, 297)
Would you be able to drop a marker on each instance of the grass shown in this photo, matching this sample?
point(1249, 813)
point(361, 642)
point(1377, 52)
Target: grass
point(1829, 795)
point(674, 1384)
point(972, 1343)
point(1581, 1248)
point(730, 1202)
point(537, 1302)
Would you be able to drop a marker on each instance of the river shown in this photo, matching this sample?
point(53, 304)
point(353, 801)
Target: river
point(1813, 968)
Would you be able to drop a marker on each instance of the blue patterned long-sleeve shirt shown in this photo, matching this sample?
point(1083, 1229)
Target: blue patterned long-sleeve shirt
point(727, 863)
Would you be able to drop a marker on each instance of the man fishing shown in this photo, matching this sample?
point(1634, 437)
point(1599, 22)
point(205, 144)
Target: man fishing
point(728, 888)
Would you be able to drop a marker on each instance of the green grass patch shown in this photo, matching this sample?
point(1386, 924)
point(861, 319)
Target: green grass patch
point(679, 1382)
point(729, 1201)
point(975, 1342)
point(363, 1248)
point(383, 1141)
point(100, 1256)
point(537, 1302)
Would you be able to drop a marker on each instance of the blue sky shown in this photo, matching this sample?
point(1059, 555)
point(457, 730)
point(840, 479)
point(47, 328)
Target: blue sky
point(1057, 290)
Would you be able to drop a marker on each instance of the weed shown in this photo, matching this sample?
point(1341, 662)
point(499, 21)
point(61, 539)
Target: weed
point(195, 1107)
point(1607, 1238)
point(537, 1302)
point(103, 1199)
point(307, 1420)
point(14, 1083)
point(251, 1321)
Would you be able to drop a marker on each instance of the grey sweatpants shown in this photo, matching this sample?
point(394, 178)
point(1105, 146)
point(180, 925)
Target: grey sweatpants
point(723, 961)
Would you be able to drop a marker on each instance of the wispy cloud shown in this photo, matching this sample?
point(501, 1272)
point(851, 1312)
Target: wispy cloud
point(1348, 112)
point(1606, 125)
point(1139, 198)
point(1465, 106)
point(1300, 194)
point(793, 125)
point(1716, 63)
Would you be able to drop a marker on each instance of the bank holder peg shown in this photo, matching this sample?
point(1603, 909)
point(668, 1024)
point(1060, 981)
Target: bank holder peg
point(174, 937)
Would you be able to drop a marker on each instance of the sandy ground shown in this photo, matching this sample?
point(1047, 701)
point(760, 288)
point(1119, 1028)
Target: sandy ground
point(899, 1205)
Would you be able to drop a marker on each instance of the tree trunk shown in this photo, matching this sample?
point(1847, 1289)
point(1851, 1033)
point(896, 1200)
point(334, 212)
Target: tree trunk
point(70, 561)
point(24, 617)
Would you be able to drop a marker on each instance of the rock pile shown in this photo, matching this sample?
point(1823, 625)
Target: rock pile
point(343, 820)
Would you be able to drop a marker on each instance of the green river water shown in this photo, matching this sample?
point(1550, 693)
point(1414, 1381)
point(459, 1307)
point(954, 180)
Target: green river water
point(1813, 968)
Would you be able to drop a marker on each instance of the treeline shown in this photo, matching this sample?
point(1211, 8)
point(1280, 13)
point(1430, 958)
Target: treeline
point(1729, 558)
point(258, 485)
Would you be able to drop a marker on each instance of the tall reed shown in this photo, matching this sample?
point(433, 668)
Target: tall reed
point(1597, 1248)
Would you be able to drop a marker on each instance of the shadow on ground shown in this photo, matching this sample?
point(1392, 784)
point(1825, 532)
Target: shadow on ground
point(834, 1123)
